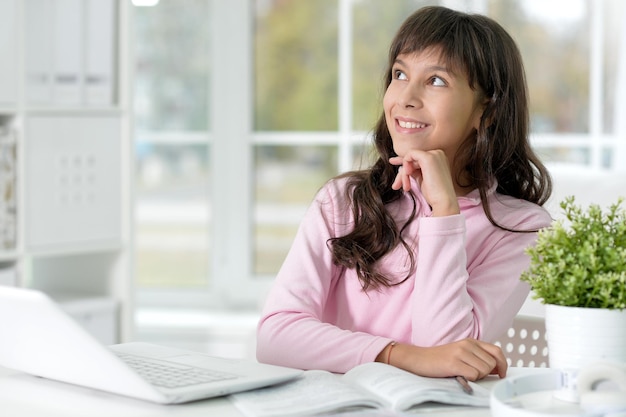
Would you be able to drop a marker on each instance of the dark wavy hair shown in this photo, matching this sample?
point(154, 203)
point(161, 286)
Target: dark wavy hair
point(480, 48)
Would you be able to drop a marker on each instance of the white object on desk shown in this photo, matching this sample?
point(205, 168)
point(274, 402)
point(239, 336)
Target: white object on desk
point(532, 395)
point(40, 339)
point(597, 400)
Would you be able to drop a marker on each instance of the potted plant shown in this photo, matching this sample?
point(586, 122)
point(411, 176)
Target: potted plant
point(578, 270)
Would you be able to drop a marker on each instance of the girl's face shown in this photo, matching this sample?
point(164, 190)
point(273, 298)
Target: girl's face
point(427, 106)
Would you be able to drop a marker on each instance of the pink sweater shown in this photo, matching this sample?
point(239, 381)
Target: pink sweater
point(466, 283)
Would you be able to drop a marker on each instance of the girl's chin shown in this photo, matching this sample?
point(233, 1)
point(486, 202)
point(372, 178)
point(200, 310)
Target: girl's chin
point(403, 150)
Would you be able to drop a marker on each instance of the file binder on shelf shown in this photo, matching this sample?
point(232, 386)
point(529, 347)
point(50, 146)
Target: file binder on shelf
point(99, 38)
point(68, 57)
point(8, 52)
point(38, 51)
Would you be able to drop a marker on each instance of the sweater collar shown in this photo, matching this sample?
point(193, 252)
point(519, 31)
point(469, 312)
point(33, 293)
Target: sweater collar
point(471, 199)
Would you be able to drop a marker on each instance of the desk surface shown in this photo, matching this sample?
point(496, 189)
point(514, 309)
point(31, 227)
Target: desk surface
point(27, 396)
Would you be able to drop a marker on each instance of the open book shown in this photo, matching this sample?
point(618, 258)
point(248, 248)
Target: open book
point(371, 385)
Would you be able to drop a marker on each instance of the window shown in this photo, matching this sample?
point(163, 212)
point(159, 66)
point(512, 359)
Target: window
point(234, 138)
point(171, 92)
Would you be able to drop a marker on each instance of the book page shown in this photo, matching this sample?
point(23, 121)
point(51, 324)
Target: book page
point(314, 392)
point(404, 390)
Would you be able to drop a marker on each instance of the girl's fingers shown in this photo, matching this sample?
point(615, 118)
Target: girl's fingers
point(406, 180)
point(487, 359)
point(480, 366)
point(396, 160)
point(498, 355)
point(397, 182)
point(403, 177)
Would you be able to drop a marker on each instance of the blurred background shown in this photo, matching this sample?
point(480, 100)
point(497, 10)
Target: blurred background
point(243, 109)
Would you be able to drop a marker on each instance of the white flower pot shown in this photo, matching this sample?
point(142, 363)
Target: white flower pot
point(580, 336)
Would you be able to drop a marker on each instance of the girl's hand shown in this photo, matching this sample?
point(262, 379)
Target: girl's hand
point(432, 172)
point(470, 358)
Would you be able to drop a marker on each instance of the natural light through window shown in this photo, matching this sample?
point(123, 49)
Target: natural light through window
point(233, 139)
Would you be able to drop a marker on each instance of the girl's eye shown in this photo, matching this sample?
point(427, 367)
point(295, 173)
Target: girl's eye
point(399, 75)
point(437, 81)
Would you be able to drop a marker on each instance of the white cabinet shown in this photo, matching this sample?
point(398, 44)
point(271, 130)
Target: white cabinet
point(63, 145)
point(72, 180)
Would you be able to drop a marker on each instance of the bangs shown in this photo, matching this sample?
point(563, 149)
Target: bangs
point(455, 37)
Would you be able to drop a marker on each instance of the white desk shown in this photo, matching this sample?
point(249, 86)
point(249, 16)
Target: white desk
point(26, 396)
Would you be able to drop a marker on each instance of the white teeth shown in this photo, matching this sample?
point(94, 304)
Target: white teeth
point(410, 125)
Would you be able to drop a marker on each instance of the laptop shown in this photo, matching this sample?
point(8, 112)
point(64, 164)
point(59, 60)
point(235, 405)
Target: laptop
point(39, 338)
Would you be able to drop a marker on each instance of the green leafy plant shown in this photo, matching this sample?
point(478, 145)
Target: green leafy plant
point(581, 261)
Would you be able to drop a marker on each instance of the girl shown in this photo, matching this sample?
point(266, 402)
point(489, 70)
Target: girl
point(416, 261)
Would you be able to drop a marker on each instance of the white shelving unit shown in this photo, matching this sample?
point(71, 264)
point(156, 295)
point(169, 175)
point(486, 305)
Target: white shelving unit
point(63, 153)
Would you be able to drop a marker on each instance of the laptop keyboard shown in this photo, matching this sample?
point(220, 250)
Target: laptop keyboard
point(171, 375)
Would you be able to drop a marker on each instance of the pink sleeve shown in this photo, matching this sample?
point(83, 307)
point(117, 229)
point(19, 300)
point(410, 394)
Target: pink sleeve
point(455, 299)
point(291, 332)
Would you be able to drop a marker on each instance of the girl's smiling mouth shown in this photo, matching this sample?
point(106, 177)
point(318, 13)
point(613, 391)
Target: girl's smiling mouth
point(411, 125)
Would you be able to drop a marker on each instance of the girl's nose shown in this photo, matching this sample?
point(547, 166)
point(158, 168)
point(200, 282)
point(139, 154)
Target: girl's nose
point(410, 96)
